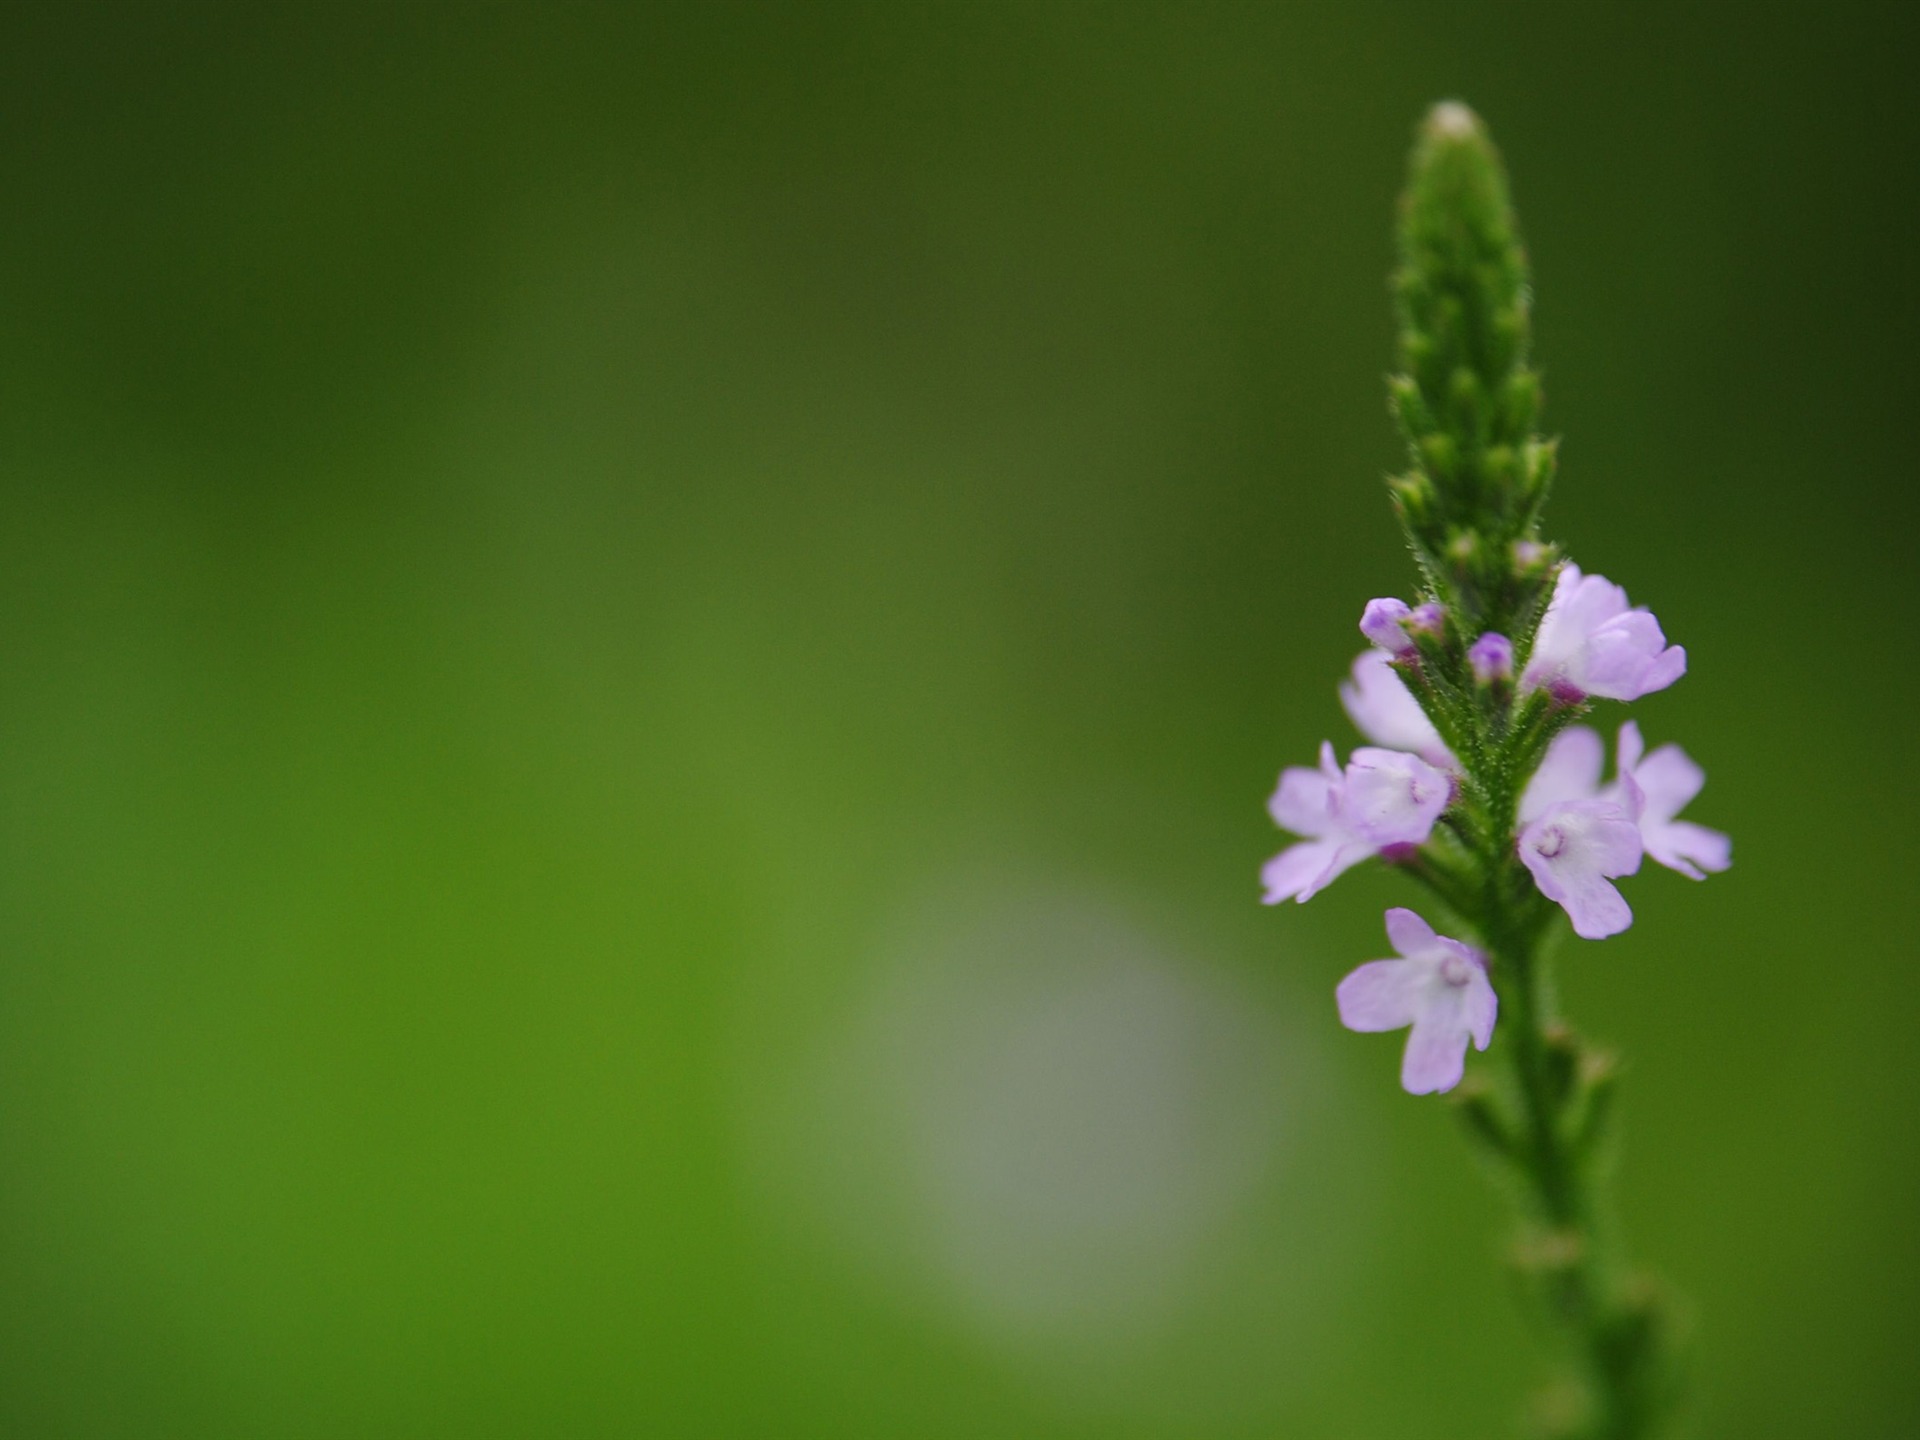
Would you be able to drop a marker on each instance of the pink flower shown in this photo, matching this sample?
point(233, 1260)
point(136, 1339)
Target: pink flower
point(1383, 798)
point(1591, 643)
point(1650, 789)
point(1439, 987)
point(1574, 849)
point(1383, 709)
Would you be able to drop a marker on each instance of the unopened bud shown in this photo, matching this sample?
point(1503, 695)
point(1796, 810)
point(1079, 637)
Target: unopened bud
point(1440, 453)
point(1591, 1111)
point(1530, 556)
point(1491, 657)
point(1560, 1050)
point(1548, 1254)
point(1408, 404)
point(1474, 1102)
point(1413, 496)
point(1522, 401)
point(1451, 120)
point(1382, 622)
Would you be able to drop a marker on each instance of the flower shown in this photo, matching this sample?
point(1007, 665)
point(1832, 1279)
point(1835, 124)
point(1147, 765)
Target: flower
point(1650, 789)
point(1491, 657)
point(1383, 798)
point(1383, 709)
point(1591, 643)
point(1439, 987)
point(1381, 623)
point(1574, 848)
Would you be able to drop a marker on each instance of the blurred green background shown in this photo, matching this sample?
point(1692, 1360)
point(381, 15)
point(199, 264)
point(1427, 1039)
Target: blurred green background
point(642, 650)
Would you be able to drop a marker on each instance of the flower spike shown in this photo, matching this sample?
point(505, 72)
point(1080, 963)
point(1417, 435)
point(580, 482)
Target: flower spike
point(1480, 783)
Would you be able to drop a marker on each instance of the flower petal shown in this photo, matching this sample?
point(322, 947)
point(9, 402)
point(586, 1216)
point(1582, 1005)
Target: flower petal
point(1411, 936)
point(1383, 709)
point(1669, 779)
point(1627, 658)
point(1306, 802)
point(1586, 602)
point(1480, 1008)
point(1570, 770)
point(1595, 906)
point(1691, 849)
point(1302, 871)
point(1629, 747)
point(1436, 1055)
point(1383, 994)
point(1667, 667)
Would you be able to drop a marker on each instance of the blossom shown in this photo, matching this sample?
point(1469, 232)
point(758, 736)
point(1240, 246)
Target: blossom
point(1574, 849)
point(1383, 798)
point(1491, 657)
point(1383, 709)
point(1591, 643)
point(1438, 986)
point(1650, 789)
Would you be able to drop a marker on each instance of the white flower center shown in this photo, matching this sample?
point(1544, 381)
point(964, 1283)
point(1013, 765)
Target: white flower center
point(1456, 969)
point(1551, 842)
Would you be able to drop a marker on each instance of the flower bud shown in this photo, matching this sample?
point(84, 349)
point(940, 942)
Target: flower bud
point(1530, 557)
point(1491, 657)
point(1381, 623)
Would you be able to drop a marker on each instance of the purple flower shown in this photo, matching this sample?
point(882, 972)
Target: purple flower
point(1491, 657)
point(1591, 643)
point(1383, 798)
point(1649, 789)
point(1575, 848)
point(1381, 622)
point(1383, 709)
point(1393, 797)
point(1439, 987)
point(1428, 619)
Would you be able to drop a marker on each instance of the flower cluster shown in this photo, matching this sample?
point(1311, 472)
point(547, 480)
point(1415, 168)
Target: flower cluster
point(1573, 831)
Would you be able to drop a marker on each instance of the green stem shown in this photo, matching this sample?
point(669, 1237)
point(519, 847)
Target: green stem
point(1615, 1335)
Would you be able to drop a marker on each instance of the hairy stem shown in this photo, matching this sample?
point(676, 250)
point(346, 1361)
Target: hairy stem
point(1614, 1329)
